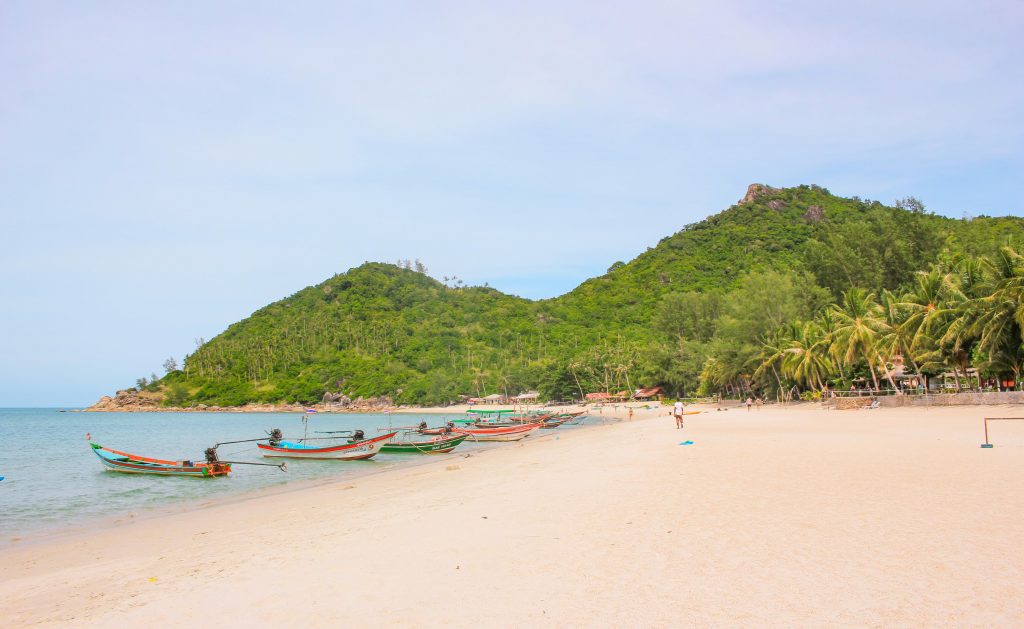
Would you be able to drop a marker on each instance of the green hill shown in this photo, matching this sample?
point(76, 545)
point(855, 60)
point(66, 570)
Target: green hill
point(383, 330)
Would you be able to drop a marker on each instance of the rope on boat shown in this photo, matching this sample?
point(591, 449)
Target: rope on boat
point(272, 435)
point(234, 452)
point(426, 450)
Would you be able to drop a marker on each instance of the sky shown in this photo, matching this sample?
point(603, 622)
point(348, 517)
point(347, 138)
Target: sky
point(168, 168)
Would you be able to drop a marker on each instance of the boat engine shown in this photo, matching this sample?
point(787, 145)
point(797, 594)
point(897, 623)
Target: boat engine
point(211, 455)
point(423, 426)
point(275, 437)
point(358, 435)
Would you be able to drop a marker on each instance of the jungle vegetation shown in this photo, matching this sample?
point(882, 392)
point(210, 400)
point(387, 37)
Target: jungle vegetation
point(794, 287)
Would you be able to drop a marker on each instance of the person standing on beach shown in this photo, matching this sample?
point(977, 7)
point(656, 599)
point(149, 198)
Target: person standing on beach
point(750, 401)
point(630, 413)
point(677, 410)
point(759, 402)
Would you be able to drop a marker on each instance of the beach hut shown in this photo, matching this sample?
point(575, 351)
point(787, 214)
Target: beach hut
point(528, 396)
point(967, 380)
point(647, 394)
point(495, 398)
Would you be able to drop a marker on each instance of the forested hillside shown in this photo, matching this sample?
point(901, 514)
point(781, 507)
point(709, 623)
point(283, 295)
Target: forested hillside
point(701, 307)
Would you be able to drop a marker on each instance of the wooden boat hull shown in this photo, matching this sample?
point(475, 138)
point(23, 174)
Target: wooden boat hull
point(433, 431)
point(500, 434)
point(126, 463)
point(342, 452)
point(435, 446)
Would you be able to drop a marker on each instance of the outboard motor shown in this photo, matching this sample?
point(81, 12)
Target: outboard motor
point(423, 426)
point(358, 435)
point(275, 437)
point(211, 455)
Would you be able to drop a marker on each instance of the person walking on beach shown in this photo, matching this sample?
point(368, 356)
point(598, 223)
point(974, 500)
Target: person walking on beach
point(750, 401)
point(677, 410)
point(759, 401)
point(630, 413)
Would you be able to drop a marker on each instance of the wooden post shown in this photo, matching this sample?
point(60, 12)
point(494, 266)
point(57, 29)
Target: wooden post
point(987, 444)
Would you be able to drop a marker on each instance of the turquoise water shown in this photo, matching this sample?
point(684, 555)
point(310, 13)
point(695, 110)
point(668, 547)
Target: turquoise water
point(53, 481)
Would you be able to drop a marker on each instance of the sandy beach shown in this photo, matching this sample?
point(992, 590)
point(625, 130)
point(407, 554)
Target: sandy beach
point(783, 517)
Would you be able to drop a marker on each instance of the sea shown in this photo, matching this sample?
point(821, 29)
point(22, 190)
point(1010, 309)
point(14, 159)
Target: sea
point(53, 483)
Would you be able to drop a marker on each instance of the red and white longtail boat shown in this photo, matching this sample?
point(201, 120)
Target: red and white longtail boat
point(510, 433)
point(354, 451)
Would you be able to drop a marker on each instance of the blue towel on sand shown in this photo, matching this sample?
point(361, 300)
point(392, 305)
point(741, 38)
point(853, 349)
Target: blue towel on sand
point(686, 443)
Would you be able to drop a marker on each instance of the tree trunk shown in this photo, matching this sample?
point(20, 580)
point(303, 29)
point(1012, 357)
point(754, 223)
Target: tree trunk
point(777, 379)
point(874, 376)
point(583, 396)
point(889, 376)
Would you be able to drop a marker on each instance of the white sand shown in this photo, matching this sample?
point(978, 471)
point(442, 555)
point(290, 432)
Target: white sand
point(787, 517)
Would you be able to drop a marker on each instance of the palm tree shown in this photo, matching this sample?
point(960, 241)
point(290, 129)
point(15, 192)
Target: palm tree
point(995, 317)
point(773, 352)
point(807, 358)
point(923, 308)
point(857, 320)
point(965, 286)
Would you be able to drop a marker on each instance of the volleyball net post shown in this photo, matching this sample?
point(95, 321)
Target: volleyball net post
point(988, 444)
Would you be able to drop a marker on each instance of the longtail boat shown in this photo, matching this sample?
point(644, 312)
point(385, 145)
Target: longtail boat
point(512, 420)
point(512, 433)
point(423, 429)
point(574, 418)
point(134, 464)
point(353, 450)
point(438, 445)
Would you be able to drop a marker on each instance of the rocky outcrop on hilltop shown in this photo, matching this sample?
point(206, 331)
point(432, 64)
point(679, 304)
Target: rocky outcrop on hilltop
point(756, 190)
point(814, 214)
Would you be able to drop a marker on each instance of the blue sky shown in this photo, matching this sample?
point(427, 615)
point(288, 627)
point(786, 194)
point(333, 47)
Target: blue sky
point(167, 168)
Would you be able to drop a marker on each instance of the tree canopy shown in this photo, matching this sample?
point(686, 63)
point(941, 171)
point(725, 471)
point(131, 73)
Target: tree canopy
point(794, 287)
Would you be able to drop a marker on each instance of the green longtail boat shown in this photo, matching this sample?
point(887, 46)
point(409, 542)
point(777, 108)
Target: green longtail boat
point(429, 446)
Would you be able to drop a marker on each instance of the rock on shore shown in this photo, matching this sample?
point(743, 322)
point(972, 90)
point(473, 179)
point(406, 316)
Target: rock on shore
point(134, 401)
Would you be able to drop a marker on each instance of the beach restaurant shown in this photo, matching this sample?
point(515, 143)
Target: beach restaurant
point(648, 394)
point(604, 396)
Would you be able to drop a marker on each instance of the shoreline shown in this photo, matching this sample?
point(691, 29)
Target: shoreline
point(92, 524)
point(454, 409)
point(792, 516)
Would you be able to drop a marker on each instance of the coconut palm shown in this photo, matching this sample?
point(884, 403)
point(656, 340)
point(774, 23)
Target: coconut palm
point(923, 308)
point(773, 352)
point(807, 358)
point(996, 316)
point(893, 339)
point(962, 303)
point(857, 318)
